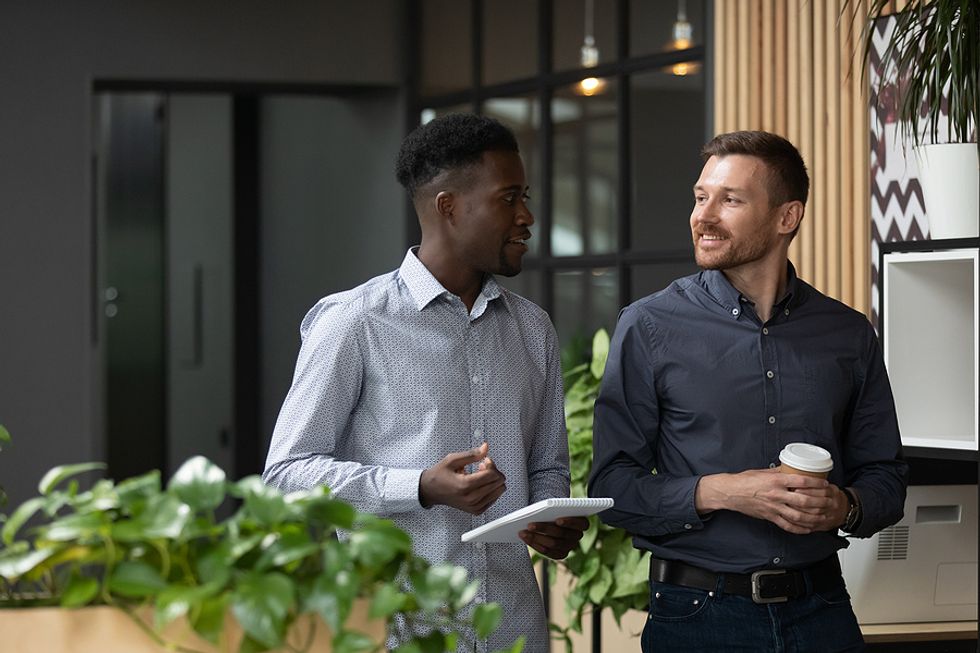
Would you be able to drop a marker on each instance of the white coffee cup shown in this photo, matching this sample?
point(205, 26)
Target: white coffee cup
point(805, 459)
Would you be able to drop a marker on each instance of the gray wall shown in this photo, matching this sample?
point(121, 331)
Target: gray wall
point(50, 52)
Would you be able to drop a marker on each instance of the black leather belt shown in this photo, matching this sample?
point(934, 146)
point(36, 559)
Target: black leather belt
point(764, 586)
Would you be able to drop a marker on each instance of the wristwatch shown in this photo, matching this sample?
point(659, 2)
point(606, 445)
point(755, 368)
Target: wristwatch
point(853, 511)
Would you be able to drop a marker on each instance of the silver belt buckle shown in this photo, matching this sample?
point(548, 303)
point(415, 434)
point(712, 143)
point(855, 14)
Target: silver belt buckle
point(756, 575)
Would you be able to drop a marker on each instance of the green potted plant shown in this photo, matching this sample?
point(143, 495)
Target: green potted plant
point(160, 554)
point(932, 61)
point(606, 570)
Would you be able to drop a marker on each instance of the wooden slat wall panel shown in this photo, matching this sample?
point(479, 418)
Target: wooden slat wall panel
point(793, 67)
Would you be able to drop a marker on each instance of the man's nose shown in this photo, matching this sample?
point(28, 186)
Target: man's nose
point(524, 215)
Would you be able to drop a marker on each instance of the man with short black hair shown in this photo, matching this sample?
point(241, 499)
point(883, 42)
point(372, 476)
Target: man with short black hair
point(432, 395)
point(706, 382)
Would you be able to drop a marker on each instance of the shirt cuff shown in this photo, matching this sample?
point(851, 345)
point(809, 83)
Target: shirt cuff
point(401, 493)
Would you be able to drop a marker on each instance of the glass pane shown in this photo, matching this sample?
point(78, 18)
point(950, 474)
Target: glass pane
point(510, 40)
point(447, 46)
point(570, 25)
point(526, 284)
point(585, 300)
point(648, 278)
point(660, 26)
point(523, 115)
point(585, 171)
point(429, 115)
point(668, 130)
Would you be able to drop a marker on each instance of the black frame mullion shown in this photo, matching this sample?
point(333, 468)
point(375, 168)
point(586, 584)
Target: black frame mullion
point(546, 142)
point(624, 142)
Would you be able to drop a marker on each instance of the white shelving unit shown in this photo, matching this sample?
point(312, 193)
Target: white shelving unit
point(930, 332)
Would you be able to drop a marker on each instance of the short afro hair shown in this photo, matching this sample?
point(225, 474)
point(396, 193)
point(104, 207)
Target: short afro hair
point(450, 142)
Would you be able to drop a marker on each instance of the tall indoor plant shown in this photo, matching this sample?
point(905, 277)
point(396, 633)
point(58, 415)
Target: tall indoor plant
point(606, 570)
point(160, 554)
point(934, 47)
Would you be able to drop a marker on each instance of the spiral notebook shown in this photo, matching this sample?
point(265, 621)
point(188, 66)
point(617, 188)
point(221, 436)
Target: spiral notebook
point(506, 528)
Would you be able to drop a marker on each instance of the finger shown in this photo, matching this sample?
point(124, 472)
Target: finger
point(461, 459)
point(574, 523)
point(799, 481)
point(490, 500)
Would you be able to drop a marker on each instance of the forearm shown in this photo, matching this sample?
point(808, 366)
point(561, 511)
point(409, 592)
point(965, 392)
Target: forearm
point(646, 504)
point(375, 489)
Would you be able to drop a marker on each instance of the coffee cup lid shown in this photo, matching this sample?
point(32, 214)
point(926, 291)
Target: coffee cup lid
point(806, 457)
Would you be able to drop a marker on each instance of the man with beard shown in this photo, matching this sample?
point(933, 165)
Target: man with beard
point(706, 382)
point(432, 395)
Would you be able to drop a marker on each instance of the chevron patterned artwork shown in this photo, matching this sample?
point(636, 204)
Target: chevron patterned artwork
point(898, 212)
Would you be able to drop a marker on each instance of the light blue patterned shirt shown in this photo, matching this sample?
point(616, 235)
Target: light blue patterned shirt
point(395, 374)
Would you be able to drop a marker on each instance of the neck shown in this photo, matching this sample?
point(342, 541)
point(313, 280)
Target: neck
point(460, 280)
point(762, 282)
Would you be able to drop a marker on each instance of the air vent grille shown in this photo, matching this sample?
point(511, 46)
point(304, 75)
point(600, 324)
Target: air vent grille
point(893, 543)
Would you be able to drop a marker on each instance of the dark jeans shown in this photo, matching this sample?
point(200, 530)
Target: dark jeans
point(685, 619)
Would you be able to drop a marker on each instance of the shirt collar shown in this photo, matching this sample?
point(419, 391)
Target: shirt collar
point(719, 287)
point(424, 287)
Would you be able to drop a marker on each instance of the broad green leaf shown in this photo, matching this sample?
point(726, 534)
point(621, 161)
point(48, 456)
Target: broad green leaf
point(336, 557)
point(215, 561)
point(79, 591)
point(23, 512)
point(136, 579)
point(590, 569)
point(486, 618)
point(260, 603)
point(351, 641)
point(139, 488)
point(379, 543)
point(589, 537)
point(199, 483)
point(4, 437)
point(58, 474)
point(600, 586)
point(600, 352)
point(289, 547)
point(165, 517)
point(209, 618)
point(16, 562)
point(387, 600)
point(250, 645)
point(75, 528)
point(331, 596)
point(177, 600)
point(263, 503)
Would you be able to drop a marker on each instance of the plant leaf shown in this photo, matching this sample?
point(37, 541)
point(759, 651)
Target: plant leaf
point(260, 603)
point(4, 437)
point(199, 483)
point(79, 591)
point(135, 579)
point(351, 641)
point(15, 562)
point(387, 600)
point(209, 618)
point(265, 504)
point(20, 516)
point(331, 596)
point(58, 474)
point(74, 528)
point(486, 618)
point(379, 542)
point(600, 352)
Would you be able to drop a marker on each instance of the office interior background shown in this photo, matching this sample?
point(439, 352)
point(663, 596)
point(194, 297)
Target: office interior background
point(180, 182)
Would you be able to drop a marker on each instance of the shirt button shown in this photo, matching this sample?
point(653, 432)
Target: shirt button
point(735, 312)
point(772, 465)
point(772, 420)
point(475, 379)
point(775, 561)
point(479, 432)
point(786, 312)
point(688, 527)
point(769, 374)
point(480, 546)
point(765, 331)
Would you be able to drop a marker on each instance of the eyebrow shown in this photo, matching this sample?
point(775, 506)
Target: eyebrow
point(725, 189)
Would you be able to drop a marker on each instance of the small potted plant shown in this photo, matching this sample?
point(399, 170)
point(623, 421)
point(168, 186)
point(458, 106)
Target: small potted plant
point(932, 60)
point(275, 570)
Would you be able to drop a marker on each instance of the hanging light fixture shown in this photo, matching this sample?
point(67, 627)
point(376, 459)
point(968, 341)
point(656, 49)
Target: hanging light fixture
point(682, 37)
point(590, 56)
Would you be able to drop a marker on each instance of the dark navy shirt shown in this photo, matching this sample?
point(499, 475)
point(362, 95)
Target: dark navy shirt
point(696, 384)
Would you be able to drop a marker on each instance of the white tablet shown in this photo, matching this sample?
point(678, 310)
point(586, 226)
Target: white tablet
point(506, 528)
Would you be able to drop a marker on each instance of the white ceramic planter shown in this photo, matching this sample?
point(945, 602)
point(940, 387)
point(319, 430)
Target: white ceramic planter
point(949, 174)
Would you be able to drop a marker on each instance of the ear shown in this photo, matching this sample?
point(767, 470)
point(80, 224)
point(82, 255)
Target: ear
point(790, 216)
point(445, 203)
